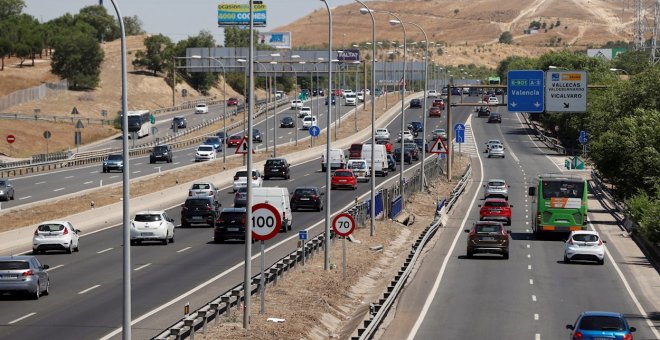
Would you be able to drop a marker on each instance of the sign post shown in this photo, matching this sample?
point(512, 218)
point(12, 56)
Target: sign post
point(47, 137)
point(266, 223)
point(302, 236)
point(343, 225)
point(525, 91)
point(11, 139)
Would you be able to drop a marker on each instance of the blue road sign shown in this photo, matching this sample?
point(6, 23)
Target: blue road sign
point(459, 132)
point(302, 235)
point(314, 131)
point(525, 91)
point(584, 137)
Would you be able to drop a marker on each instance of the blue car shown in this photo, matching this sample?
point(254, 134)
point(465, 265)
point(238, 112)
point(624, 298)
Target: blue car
point(215, 141)
point(334, 101)
point(601, 325)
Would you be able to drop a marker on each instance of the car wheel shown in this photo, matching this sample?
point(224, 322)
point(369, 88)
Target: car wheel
point(488, 156)
point(172, 238)
point(132, 243)
point(77, 248)
point(506, 255)
point(37, 293)
point(508, 222)
point(601, 262)
point(217, 240)
point(266, 178)
point(288, 176)
point(566, 259)
point(294, 207)
point(70, 249)
point(469, 254)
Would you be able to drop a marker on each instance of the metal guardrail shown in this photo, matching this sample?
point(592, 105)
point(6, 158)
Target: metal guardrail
point(551, 142)
point(56, 119)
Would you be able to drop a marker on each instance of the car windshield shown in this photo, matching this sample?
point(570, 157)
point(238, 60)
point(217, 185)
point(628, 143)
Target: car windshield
point(496, 184)
point(601, 322)
point(487, 228)
point(3, 184)
point(496, 204)
point(115, 157)
point(212, 141)
point(358, 165)
point(161, 148)
point(343, 174)
point(201, 105)
point(50, 227)
point(235, 137)
point(205, 148)
point(305, 192)
point(14, 265)
point(243, 173)
point(201, 186)
point(275, 162)
point(585, 237)
point(562, 189)
point(147, 217)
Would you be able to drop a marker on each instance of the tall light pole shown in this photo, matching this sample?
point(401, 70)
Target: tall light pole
point(372, 208)
point(247, 267)
point(224, 99)
point(403, 114)
point(274, 90)
point(357, 67)
point(328, 191)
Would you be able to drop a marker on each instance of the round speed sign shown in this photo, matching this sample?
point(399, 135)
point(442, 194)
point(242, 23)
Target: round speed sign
point(266, 221)
point(343, 224)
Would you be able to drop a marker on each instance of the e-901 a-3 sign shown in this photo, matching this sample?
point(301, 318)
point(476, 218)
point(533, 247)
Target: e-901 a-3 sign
point(239, 15)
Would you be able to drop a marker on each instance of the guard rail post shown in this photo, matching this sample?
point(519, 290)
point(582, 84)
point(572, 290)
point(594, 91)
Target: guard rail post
point(189, 322)
point(226, 299)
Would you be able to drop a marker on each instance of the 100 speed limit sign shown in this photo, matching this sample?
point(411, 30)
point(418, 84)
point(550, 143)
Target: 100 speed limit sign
point(343, 224)
point(266, 221)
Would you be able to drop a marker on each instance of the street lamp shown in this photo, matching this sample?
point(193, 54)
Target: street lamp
point(403, 114)
point(328, 192)
point(274, 90)
point(357, 67)
point(224, 99)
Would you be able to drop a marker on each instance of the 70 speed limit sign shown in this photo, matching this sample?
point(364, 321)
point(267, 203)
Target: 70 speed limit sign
point(266, 221)
point(343, 224)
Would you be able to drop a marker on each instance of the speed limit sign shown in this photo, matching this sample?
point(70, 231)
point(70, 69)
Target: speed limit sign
point(343, 224)
point(266, 221)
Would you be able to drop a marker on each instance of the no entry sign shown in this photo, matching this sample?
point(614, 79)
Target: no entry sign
point(11, 139)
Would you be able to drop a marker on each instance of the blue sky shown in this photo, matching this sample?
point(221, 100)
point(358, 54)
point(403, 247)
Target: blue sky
point(179, 19)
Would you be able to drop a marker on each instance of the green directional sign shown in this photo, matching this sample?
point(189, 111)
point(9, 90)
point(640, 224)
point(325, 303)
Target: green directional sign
point(152, 118)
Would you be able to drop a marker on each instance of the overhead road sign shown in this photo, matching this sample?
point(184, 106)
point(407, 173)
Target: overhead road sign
point(525, 91)
point(566, 91)
point(239, 15)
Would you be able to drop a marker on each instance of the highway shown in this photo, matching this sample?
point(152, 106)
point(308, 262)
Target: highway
point(534, 294)
point(86, 293)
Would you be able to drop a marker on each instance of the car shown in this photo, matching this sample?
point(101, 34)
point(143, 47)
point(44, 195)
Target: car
point(488, 237)
point(438, 133)
point(306, 92)
point(333, 99)
point(55, 235)
point(360, 96)
point(240, 197)
point(203, 189)
point(388, 145)
point(413, 149)
point(221, 135)
point(296, 104)
point(355, 151)
point(407, 136)
point(432, 94)
point(234, 141)
point(305, 111)
point(391, 163)
point(456, 91)
point(493, 100)
point(276, 167)
point(7, 190)
point(416, 127)
point(199, 210)
point(233, 101)
point(415, 103)
point(495, 117)
point(378, 92)
point(347, 91)
point(153, 225)
point(496, 209)
point(287, 122)
point(496, 188)
point(307, 197)
point(201, 108)
point(343, 178)
point(205, 153)
point(421, 143)
point(474, 91)
point(161, 152)
point(360, 169)
point(256, 136)
point(382, 134)
point(492, 142)
point(407, 156)
point(308, 122)
point(318, 92)
point(350, 99)
point(114, 162)
point(483, 111)
point(230, 224)
point(438, 103)
point(496, 151)
point(584, 245)
point(214, 141)
point(240, 179)
point(499, 92)
point(596, 325)
point(179, 122)
point(435, 111)
point(24, 274)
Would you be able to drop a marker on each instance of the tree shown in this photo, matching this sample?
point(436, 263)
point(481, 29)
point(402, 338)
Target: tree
point(645, 209)
point(77, 58)
point(96, 16)
point(506, 37)
point(133, 26)
point(157, 56)
point(5, 51)
point(10, 8)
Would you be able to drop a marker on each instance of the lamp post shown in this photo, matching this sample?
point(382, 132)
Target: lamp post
point(326, 239)
point(224, 99)
point(274, 90)
point(357, 67)
point(403, 114)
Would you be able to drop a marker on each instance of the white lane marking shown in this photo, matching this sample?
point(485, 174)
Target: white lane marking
point(58, 189)
point(537, 336)
point(137, 164)
point(438, 279)
point(24, 198)
point(305, 175)
point(177, 163)
point(137, 172)
point(536, 316)
point(104, 250)
point(537, 146)
point(67, 177)
point(526, 230)
point(528, 246)
point(526, 216)
point(182, 250)
point(529, 256)
point(88, 289)
point(53, 268)
point(88, 182)
point(42, 182)
point(534, 298)
point(529, 267)
point(632, 295)
point(94, 172)
point(531, 281)
point(142, 267)
point(21, 318)
point(114, 176)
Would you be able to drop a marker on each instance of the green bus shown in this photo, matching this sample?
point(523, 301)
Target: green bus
point(493, 80)
point(560, 203)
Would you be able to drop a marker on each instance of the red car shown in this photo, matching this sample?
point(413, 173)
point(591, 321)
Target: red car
point(234, 141)
point(435, 111)
point(355, 151)
point(232, 101)
point(438, 103)
point(496, 209)
point(343, 178)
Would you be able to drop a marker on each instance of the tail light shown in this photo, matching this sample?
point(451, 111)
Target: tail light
point(254, 177)
point(184, 208)
point(189, 193)
point(235, 178)
point(472, 232)
point(220, 220)
point(600, 243)
point(584, 221)
point(211, 193)
point(27, 273)
point(66, 231)
point(570, 241)
point(36, 232)
point(628, 336)
point(314, 197)
point(209, 207)
point(578, 335)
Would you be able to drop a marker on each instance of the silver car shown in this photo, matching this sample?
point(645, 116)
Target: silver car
point(23, 274)
point(496, 188)
point(496, 150)
point(203, 189)
point(6, 190)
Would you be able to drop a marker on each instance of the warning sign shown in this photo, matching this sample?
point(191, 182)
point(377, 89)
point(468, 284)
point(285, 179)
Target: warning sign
point(566, 91)
point(243, 147)
point(439, 146)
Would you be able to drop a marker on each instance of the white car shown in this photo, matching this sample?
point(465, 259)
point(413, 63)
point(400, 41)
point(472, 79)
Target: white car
point(584, 245)
point(493, 100)
point(296, 104)
point(407, 137)
point(360, 96)
point(360, 168)
point(308, 122)
point(55, 235)
point(496, 150)
point(382, 134)
point(496, 188)
point(240, 179)
point(348, 91)
point(305, 111)
point(205, 153)
point(350, 99)
point(152, 226)
point(201, 108)
point(432, 94)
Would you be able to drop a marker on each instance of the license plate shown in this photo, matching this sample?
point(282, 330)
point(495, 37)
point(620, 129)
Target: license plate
point(197, 217)
point(561, 221)
point(342, 180)
point(10, 276)
point(232, 229)
point(487, 238)
point(304, 199)
point(146, 234)
point(495, 210)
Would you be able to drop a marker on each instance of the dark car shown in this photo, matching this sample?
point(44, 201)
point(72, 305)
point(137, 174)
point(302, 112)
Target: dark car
point(499, 92)
point(240, 197)
point(355, 151)
point(221, 135)
point(307, 198)
point(495, 117)
point(179, 122)
point(232, 101)
point(415, 103)
point(483, 111)
point(199, 210)
point(334, 100)
point(416, 127)
point(391, 163)
point(161, 153)
point(287, 122)
point(114, 162)
point(455, 91)
point(413, 149)
point(407, 156)
point(488, 237)
point(256, 136)
point(474, 91)
point(276, 167)
point(421, 143)
point(601, 325)
point(230, 225)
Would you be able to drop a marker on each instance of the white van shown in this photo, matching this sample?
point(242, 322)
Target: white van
point(337, 160)
point(308, 122)
point(360, 169)
point(350, 99)
point(380, 158)
point(278, 198)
